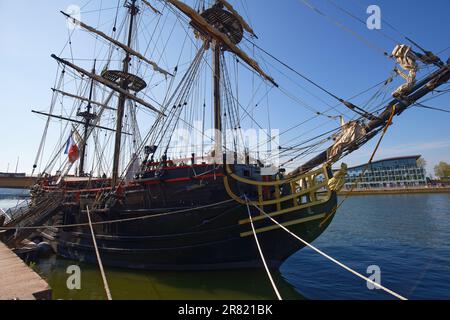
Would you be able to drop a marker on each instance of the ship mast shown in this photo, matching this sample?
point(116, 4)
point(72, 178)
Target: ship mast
point(88, 116)
point(223, 29)
point(217, 103)
point(133, 9)
point(120, 81)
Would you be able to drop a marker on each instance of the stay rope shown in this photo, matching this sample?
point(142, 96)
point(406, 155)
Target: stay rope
point(338, 24)
point(361, 176)
point(121, 220)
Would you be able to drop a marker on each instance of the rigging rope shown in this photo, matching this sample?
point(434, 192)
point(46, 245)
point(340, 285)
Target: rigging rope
point(417, 104)
point(440, 93)
point(361, 176)
point(295, 71)
point(334, 3)
point(44, 135)
point(261, 253)
point(443, 50)
point(346, 103)
point(346, 29)
point(122, 220)
point(313, 117)
point(303, 103)
point(362, 5)
point(185, 20)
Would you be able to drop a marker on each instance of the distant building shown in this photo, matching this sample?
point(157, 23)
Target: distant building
point(11, 174)
point(396, 172)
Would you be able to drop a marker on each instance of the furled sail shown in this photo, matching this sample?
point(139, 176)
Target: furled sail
point(419, 90)
point(107, 83)
point(74, 121)
point(407, 60)
point(350, 132)
point(70, 95)
point(119, 44)
point(213, 32)
point(239, 17)
point(151, 7)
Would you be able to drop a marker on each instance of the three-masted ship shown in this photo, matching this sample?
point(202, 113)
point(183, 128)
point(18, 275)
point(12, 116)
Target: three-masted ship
point(152, 210)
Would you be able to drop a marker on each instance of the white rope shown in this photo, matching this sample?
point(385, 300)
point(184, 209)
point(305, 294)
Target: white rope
point(262, 255)
point(3, 212)
point(125, 219)
point(99, 259)
point(332, 259)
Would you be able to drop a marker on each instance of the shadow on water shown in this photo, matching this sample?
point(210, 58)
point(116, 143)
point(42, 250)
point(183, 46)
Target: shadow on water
point(132, 284)
point(140, 285)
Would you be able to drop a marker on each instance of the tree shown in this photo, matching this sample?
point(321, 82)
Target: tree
point(442, 170)
point(421, 163)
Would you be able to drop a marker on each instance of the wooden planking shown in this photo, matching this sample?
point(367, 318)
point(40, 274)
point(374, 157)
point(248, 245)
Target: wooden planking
point(17, 182)
point(17, 280)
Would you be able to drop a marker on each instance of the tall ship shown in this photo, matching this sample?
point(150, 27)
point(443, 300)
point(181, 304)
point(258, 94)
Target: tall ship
point(133, 157)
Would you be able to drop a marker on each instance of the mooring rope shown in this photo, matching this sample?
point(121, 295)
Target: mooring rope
point(261, 253)
point(122, 220)
point(99, 259)
point(331, 258)
point(389, 122)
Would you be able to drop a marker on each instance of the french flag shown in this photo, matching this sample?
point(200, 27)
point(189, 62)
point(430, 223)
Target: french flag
point(72, 150)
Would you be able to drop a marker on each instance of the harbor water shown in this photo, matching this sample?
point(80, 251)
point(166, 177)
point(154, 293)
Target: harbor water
point(405, 237)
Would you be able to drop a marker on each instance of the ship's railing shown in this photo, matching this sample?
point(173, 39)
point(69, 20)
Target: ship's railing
point(19, 210)
point(290, 193)
point(28, 215)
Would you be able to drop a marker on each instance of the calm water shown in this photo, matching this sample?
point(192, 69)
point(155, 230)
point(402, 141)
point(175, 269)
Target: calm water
point(407, 236)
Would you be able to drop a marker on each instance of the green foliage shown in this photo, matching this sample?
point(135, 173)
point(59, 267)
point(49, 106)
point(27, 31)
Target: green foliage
point(442, 170)
point(32, 265)
point(421, 163)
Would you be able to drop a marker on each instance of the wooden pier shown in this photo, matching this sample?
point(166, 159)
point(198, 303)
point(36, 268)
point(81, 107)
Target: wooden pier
point(18, 281)
point(17, 182)
point(363, 192)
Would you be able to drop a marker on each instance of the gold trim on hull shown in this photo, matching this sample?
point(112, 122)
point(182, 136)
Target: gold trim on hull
point(285, 224)
point(299, 192)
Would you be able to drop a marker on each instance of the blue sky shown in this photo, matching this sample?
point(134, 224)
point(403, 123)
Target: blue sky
point(31, 30)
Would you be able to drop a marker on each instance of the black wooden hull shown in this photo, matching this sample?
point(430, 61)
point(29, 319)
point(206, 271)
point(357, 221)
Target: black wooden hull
point(199, 244)
point(209, 233)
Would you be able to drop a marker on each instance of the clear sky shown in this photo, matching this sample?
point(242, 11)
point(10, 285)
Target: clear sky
point(31, 30)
